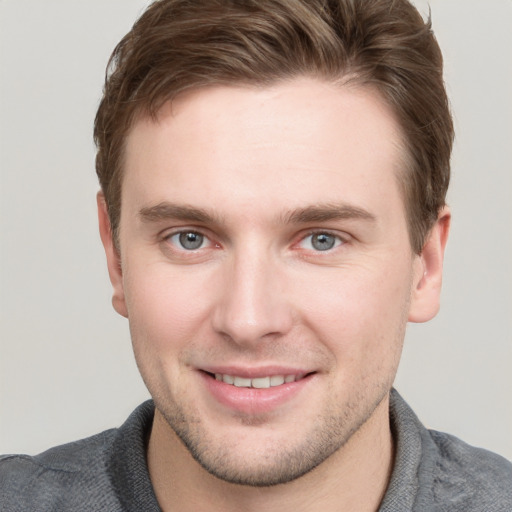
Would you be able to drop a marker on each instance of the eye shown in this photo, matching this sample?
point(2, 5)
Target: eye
point(189, 240)
point(321, 242)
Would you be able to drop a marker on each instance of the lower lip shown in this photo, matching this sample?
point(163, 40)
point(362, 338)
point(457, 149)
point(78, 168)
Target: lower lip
point(252, 400)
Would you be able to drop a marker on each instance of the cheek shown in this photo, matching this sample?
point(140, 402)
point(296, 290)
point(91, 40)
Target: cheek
point(165, 309)
point(359, 313)
point(167, 312)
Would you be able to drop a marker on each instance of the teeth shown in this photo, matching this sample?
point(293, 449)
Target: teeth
point(228, 379)
point(277, 380)
point(258, 382)
point(241, 382)
point(262, 382)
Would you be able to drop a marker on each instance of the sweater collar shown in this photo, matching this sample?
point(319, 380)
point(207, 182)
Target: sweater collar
point(413, 464)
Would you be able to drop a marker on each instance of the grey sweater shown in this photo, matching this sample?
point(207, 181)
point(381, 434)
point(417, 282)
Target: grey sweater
point(108, 472)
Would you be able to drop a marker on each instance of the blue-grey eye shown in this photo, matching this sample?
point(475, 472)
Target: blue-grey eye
point(323, 241)
point(190, 240)
point(320, 241)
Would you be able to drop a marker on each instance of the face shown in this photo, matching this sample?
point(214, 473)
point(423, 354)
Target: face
point(266, 271)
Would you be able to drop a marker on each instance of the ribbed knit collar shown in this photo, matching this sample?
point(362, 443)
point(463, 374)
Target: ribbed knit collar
point(408, 488)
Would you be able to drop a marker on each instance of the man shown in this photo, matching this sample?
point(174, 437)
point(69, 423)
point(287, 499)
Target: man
point(273, 179)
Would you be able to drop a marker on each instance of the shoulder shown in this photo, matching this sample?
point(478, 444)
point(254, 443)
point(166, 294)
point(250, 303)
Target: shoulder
point(107, 471)
point(470, 478)
point(67, 477)
point(438, 472)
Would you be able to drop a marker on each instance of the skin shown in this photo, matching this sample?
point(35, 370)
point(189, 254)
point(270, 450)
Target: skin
point(259, 174)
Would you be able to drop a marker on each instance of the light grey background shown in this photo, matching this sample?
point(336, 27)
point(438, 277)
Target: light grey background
point(66, 367)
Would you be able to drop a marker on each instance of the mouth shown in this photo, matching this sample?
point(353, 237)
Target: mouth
point(256, 392)
point(252, 392)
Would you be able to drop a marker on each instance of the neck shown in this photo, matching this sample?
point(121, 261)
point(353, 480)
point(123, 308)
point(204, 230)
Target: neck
point(354, 478)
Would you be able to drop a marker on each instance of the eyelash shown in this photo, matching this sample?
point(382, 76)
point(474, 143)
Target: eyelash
point(338, 240)
point(168, 238)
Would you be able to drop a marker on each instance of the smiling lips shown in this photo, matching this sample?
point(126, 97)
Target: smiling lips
point(257, 393)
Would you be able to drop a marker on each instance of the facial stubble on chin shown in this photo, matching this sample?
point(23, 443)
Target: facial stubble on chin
point(280, 464)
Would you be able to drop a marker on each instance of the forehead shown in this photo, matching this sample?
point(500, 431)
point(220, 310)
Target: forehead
point(290, 145)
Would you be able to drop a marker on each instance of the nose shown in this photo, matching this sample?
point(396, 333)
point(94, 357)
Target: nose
point(252, 303)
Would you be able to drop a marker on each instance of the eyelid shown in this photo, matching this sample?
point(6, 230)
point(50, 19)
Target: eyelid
point(176, 239)
point(167, 234)
point(343, 238)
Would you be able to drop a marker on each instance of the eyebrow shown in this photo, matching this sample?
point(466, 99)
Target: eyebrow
point(327, 212)
point(166, 211)
point(315, 213)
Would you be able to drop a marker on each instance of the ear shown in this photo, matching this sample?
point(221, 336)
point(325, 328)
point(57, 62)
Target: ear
point(429, 271)
point(113, 257)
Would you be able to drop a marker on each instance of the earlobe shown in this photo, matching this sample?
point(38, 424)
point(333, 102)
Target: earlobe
point(429, 271)
point(113, 257)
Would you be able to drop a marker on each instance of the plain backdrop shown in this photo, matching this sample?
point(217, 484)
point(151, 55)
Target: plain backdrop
point(66, 366)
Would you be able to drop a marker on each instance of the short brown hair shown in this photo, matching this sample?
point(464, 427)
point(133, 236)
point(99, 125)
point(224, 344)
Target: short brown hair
point(182, 44)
